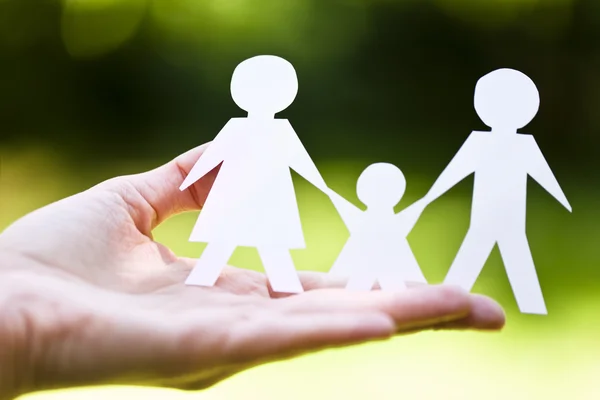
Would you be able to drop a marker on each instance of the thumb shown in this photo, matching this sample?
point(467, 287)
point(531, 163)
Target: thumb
point(154, 196)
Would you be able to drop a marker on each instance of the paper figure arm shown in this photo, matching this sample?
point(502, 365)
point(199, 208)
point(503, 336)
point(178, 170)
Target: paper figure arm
point(350, 214)
point(212, 156)
point(462, 165)
point(300, 161)
point(407, 218)
point(538, 168)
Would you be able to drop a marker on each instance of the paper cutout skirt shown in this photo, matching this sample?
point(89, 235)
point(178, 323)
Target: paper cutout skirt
point(259, 210)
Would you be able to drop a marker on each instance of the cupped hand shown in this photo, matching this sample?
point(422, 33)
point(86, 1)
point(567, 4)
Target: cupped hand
point(87, 297)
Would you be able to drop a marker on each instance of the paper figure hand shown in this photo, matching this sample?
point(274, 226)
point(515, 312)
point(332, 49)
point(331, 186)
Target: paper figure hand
point(411, 214)
point(429, 197)
point(320, 184)
point(331, 193)
point(87, 297)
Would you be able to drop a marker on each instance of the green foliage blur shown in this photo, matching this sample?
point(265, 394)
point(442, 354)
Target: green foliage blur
point(90, 89)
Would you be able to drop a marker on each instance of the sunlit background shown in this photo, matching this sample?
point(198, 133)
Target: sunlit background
point(90, 89)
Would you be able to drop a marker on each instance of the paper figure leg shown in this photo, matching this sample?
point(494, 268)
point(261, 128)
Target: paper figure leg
point(391, 278)
point(363, 275)
point(522, 275)
point(211, 263)
point(279, 267)
point(471, 258)
point(344, 263)
point(411, 270)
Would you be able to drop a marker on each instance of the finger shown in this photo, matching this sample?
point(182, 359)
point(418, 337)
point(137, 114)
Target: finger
point(290, 336)
point(419, 306)
point(154, 196)
point(231, 279)
point(320, 280)
point(485, 315)
point(311, 280)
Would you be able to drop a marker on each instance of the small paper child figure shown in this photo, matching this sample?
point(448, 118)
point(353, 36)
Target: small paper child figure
point(506, 100)
point(252, 202)
point(377, 250)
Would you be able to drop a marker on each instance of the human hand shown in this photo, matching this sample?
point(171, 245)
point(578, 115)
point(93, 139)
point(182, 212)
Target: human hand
point(87, 297)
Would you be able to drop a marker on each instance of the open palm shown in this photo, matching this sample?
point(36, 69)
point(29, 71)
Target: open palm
point(93, 299)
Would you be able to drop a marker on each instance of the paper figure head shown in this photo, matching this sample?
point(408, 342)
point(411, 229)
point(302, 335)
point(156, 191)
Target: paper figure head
point(381, 185)
point(264, 85)
point(506, 99)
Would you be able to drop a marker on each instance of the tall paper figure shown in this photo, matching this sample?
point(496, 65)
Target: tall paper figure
point(506, 100)
point(377, 250)
point(252, 202)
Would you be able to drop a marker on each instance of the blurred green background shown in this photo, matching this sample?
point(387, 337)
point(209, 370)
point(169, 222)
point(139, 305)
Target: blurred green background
point(90, 89)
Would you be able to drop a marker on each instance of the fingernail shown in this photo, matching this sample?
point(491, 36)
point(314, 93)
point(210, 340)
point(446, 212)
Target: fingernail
point(375, 326)
point(423, 324)
point(486, 314)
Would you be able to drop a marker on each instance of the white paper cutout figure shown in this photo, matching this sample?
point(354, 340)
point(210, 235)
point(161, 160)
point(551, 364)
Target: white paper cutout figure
point(506, 100)
point(377, 250)
point(252, 202)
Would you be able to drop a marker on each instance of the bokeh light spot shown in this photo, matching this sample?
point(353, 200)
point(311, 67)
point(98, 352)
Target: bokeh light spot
point(91, 28)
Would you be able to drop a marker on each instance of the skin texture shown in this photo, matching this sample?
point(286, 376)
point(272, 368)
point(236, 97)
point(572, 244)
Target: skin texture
point(87, 298)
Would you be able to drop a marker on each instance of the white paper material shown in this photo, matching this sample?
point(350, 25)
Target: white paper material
point(506, 100)
point(377, 250)
point(252, 202)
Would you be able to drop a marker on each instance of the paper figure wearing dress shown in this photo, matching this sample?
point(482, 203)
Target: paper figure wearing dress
point(252, 202)
point(377, 250)
point(506, 100)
